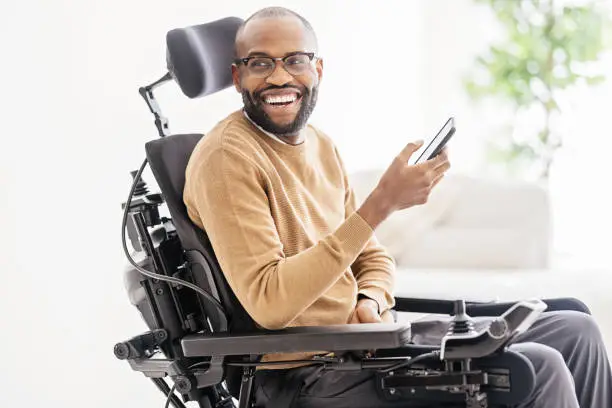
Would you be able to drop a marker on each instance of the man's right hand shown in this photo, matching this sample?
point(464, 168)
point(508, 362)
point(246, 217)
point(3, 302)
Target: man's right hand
point(403, 186)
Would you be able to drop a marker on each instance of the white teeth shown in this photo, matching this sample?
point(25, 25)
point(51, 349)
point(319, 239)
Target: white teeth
point(281, 99)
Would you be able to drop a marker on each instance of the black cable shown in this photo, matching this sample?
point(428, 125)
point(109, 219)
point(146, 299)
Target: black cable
point(150, 274)
point(165, 389)
point(408, 363)
point(170, 394)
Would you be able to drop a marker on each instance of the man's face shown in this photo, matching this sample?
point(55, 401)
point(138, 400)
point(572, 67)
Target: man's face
point(279, 102)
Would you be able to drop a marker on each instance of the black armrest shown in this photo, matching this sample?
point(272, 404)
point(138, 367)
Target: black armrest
point(418, 305)
point(557, 304)
point(443, 306)
point(299, 339)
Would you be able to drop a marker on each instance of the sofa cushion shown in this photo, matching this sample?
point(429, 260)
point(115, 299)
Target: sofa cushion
point(405, 229)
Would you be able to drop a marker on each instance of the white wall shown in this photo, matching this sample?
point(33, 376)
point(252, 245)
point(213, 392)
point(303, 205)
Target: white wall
point(456, 32)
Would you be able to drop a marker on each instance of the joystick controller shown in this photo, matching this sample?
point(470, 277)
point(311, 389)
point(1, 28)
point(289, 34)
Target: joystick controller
point(462, 323)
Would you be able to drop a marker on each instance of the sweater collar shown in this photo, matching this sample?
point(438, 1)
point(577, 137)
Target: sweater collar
point(271, 135)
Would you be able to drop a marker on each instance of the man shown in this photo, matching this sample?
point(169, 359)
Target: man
point(273, 195)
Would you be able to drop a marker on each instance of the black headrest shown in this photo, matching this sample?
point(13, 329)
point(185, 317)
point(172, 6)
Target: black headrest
point(200, 57)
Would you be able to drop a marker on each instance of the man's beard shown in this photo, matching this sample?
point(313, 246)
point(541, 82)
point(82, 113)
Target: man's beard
point(253, 106)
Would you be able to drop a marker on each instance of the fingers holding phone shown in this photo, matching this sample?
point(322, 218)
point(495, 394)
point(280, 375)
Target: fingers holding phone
point(404, 185)
point(440, 165)
point(430, 173)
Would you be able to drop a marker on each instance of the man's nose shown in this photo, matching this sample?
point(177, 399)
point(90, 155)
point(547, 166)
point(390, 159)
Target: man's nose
point(279, 76)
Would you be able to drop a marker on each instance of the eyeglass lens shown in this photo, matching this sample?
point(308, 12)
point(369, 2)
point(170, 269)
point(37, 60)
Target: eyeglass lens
point(294, 64)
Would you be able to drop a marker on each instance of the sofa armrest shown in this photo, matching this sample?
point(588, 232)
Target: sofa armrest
point(333, 338)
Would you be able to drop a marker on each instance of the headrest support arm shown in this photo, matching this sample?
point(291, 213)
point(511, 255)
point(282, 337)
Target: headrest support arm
point(146, 92)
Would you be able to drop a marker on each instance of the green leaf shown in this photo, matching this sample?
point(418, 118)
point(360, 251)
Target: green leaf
point(595, 80)
point(545, 49)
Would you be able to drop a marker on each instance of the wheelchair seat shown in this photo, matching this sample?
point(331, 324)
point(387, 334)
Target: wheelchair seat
point(204, 341)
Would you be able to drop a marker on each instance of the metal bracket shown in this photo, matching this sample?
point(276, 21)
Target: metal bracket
point(147, 94)
point(156, 368)
point(185, 379)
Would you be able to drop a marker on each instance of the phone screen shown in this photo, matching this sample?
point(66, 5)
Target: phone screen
point(437, 143)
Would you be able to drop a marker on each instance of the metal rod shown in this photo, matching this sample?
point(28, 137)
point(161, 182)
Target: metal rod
point(246, 387)
point(161, 123)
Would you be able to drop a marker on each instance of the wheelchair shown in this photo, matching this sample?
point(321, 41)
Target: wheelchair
point(203, 342)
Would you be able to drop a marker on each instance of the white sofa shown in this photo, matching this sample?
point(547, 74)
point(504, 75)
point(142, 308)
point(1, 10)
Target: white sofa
point(483, 240)
point(468, 223)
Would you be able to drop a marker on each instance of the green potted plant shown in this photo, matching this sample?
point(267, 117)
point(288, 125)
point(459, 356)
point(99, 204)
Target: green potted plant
point(548, 47)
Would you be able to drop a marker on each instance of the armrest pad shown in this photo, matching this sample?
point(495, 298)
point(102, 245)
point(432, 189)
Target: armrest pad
point(482, 308)
point(299, 339)
point(555, 304)
point(421, 305)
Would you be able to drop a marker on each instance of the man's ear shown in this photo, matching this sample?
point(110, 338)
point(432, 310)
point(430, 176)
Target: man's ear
point(319, 67)
point(236, 78)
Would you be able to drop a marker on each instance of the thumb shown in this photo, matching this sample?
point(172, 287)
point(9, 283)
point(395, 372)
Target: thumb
point(368, 315)
point(409, 150)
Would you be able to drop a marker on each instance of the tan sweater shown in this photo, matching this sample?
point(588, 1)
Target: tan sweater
point(282, 223)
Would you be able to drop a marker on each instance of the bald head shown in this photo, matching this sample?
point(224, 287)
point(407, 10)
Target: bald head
point(271, 17)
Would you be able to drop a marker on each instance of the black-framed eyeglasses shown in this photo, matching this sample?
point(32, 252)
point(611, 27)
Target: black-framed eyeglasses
point(262, 66)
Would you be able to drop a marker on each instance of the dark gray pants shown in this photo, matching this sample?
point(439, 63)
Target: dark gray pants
point(566, 349)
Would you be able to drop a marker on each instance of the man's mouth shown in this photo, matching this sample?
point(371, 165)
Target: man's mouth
point(278, 100)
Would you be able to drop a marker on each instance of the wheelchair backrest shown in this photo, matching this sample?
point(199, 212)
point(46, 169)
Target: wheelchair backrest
point(168, 158)
point(199, 59)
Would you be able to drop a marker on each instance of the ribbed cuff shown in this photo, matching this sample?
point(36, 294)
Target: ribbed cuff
point(354, 233)
point(379, 296)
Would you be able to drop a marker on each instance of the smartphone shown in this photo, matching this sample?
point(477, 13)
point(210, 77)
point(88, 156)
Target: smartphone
point(437, 143)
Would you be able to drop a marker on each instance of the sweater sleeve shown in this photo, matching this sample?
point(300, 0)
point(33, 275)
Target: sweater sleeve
point(374, 268)
point(229, 195)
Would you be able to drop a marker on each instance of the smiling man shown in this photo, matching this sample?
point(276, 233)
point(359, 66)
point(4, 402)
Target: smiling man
point(273, 195)
point(278, 101)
